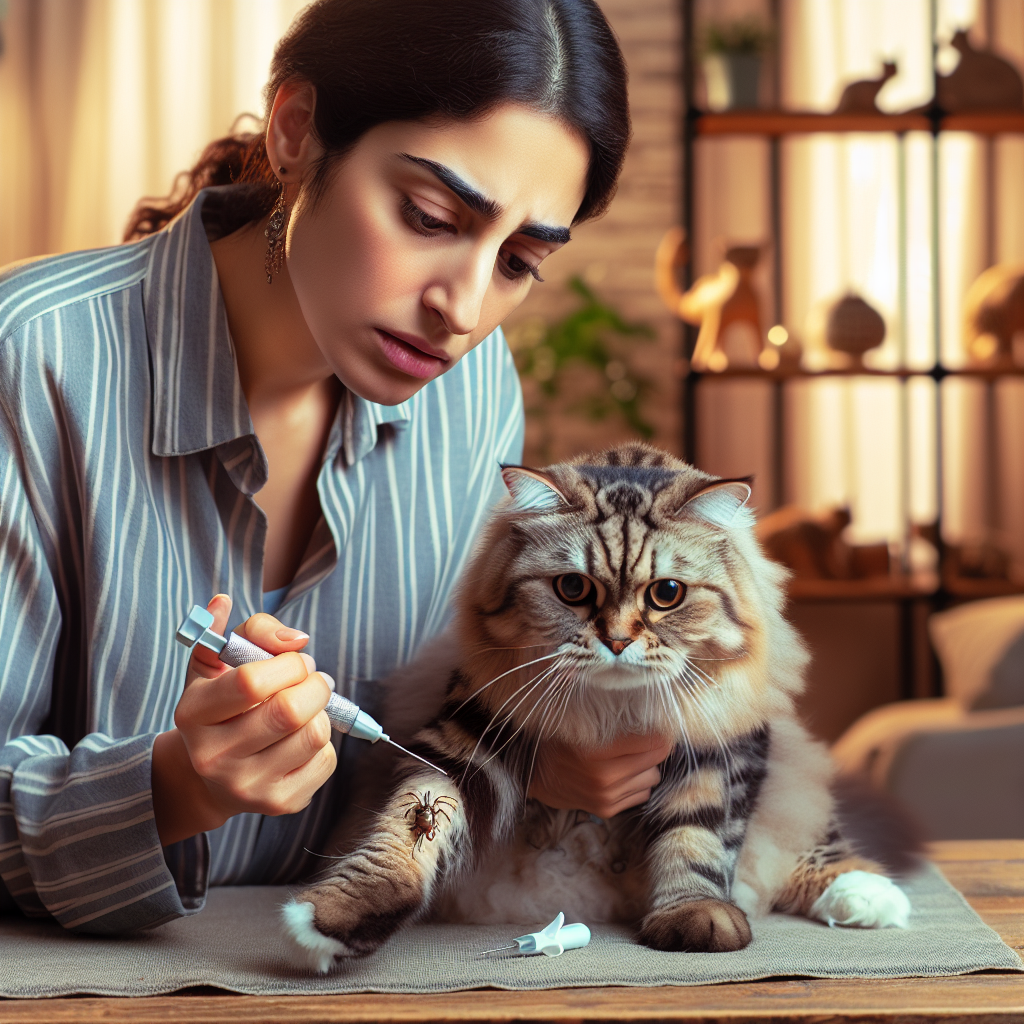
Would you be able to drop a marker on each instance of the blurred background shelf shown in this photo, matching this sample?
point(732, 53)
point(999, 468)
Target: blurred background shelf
point(904, 209)
point(936, 372)
point(899, 587)
point(896, 587)
point(789, 122)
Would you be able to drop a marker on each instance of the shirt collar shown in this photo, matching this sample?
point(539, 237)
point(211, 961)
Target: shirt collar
point(198, 401)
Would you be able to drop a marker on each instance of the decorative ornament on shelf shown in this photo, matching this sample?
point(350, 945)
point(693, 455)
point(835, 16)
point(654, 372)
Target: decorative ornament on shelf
point(811, 545)
point(981, 81)
point(732, 63)
point(967, 560)
point(853, 327)
point(993, 314)
point(859, 97)
point(784, 351)
point(715, 301)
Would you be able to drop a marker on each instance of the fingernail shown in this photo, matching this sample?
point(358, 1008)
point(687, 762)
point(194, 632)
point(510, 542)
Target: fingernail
point(291, 634)
point(330, 681)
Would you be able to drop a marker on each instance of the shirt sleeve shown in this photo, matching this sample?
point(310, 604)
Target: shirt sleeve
point(78, 839)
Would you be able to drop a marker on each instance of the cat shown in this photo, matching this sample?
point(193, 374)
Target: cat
point(981, 81)
point(859, 97)
point(622, 592)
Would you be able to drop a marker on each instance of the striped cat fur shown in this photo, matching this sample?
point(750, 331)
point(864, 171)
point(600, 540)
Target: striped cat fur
point(622, 592)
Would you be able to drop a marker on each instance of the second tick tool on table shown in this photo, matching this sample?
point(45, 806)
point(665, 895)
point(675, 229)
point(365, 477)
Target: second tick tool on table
point(234, 650)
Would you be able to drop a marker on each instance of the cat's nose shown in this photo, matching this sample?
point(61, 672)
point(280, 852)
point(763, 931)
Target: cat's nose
point(615, 645)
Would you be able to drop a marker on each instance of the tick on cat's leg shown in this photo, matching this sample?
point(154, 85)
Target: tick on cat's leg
point(382, 885)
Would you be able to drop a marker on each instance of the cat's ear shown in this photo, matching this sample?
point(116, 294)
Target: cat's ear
point(719, 502)
point(533, 490)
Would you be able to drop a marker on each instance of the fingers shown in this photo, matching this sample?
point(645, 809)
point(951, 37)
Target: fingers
point(288, 712)
point(633, 744)
point(630, 792)
point(263, 630)
point(283, 778)
point(210, 701)
point(289, 757)
point(204, 663)
point(271, 634)
point(611, 770)
point(603, 782)
point(632, 800)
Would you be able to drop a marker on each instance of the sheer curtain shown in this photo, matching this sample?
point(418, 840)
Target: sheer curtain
point(844, 199)
point(104, 101)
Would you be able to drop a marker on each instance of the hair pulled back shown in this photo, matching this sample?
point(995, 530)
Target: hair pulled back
point(374, 61)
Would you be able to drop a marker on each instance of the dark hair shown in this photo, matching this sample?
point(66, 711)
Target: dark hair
point(373, 61)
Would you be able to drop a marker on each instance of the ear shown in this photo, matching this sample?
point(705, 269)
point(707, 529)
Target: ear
point(533, 490)
point(719, 502)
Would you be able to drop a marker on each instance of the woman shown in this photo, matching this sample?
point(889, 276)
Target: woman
point(295, 393)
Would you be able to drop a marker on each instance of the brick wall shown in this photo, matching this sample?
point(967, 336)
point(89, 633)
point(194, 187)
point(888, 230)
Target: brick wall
point(615, 254)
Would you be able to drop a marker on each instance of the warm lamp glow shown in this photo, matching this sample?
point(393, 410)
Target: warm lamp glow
point(778, 335)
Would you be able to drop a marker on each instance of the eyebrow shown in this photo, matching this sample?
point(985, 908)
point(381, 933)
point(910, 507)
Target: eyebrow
point(480, 204)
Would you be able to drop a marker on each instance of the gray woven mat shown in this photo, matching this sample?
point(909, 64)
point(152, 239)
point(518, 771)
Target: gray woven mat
point(236, 944)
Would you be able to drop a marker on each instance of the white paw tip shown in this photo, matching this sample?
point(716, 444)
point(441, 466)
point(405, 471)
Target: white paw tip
point(861, 899)
point(318, 950)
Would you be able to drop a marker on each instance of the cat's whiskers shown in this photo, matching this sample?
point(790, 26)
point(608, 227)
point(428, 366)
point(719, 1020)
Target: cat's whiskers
point(529, 714)
point(480, 689)
point(532, 684)
point(475, 649)
point(709, 679)
point(562, 683)
point(736, 657)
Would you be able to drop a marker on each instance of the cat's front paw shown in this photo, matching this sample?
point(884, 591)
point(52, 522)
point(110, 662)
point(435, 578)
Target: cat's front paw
point(862, 899)
point(697, 926)
point(329, 921)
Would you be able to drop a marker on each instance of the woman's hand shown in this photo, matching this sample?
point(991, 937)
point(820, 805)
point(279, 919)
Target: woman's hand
point(254, 738)
point(603, 781)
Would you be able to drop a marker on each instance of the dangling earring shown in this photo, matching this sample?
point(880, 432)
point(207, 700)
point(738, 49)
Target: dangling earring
point(275, 237)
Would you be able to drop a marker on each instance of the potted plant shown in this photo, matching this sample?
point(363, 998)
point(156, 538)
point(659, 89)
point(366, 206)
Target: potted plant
point(732, 63)
point(594, 338)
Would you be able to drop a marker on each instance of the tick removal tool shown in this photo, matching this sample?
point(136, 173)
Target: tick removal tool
point(553, 940)
point(234, 650)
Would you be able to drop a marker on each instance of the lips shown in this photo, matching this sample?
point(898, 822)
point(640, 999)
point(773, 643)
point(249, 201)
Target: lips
point(411, 355)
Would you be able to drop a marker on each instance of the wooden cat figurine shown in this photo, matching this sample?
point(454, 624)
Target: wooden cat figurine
point(714, 301)
point(859, 97)
point(981, 81)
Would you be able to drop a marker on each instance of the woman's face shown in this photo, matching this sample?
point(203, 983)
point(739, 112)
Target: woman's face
point(427, 238)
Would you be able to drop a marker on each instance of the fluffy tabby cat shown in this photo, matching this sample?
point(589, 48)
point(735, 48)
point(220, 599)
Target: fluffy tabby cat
point(623, 592)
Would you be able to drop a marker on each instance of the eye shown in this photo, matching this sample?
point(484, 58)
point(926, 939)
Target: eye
point(664, 594)
point(515, 267)
point(573, 588)
point(422, 222)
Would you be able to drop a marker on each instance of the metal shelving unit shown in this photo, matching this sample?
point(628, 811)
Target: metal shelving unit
point(774, 125)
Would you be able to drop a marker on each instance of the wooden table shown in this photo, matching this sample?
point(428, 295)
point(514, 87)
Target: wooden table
point(989, 873)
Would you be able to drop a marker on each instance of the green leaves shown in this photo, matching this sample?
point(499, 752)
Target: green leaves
point(591, 336)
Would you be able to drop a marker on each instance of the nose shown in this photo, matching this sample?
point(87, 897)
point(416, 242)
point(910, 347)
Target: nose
point(457, 293)
point(616, 644)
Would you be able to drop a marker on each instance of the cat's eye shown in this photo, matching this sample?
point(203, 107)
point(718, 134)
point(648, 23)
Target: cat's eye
point(573, 588)
point(662, 595)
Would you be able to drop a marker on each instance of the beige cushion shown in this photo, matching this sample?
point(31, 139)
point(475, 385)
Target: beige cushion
point(981, 648)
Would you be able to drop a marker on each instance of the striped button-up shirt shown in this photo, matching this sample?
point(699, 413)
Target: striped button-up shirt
point(128, 466)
